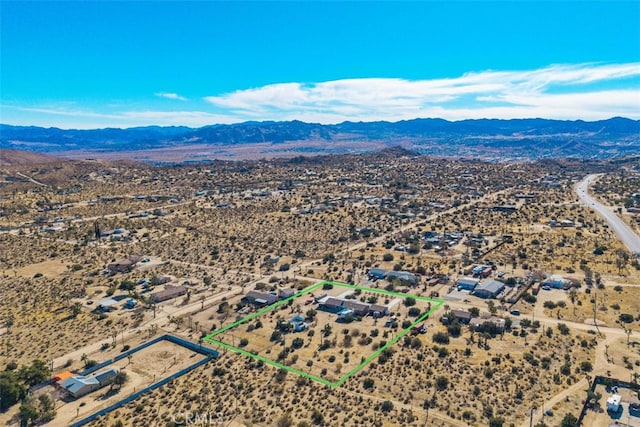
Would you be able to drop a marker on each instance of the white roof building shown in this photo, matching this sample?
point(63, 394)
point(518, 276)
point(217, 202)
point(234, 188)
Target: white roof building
point(613, 403)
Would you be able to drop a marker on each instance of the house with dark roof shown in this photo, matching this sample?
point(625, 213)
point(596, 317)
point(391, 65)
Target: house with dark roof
point(377, 310)
point(330, 304)
point(462, 316)
point(259, 299)
point(122, 266)
point(377, 274)
point(359, 308)
point(286, 293)
point(170, 292)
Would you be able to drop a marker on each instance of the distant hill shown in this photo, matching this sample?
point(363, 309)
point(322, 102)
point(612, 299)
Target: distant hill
point(486, 138)
point(20, 158)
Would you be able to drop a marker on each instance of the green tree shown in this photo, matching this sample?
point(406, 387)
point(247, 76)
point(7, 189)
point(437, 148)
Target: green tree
point(28, 413)
point(387, 406)
point(11, 390)
point(120, 379)
point(317, 417)
point(47, 408)
point(36, 373)
point(569, 420)
point(442, 382)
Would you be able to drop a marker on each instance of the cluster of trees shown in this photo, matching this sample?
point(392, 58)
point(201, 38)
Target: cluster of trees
point(14, 382)
point(37, 411)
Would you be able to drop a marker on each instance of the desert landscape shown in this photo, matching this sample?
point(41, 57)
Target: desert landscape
point(276, 264)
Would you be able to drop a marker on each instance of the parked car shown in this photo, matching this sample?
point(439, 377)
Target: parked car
point(515, 312)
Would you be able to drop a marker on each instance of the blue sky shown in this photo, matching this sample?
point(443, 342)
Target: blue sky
point(119, 64)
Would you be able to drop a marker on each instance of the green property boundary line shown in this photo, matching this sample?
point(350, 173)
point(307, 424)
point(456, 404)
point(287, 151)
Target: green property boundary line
point(436, 303)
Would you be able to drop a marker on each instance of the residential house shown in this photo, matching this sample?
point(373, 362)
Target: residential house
point(260, 299)
point(377, 310)
point(330, 304)
point(490, 289)
point(404, 277)
point(341, 305)
point(359, 308)
point(169, 292)
point(79, 385)
point(556, 281)
point(122, 266)
point(462, 316)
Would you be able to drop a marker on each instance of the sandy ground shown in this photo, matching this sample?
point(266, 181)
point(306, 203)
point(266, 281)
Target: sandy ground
point(53, 268)
point(145, 367)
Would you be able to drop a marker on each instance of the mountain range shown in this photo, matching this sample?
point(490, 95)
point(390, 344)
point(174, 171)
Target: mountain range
point(483, 138)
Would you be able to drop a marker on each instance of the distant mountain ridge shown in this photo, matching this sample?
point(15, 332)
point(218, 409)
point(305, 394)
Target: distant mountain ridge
point(529, 138)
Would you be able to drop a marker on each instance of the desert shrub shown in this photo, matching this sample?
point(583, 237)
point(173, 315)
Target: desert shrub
point(626, 318)
point(442, 382)
point(441, 338)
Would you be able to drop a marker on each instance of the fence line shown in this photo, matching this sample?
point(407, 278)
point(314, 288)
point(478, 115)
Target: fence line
point(607, 381)
point(198, 348)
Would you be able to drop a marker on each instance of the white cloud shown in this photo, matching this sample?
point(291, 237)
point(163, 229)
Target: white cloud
point(557, 91)
point(170, 95)
point(577, 91)
point(88, 119)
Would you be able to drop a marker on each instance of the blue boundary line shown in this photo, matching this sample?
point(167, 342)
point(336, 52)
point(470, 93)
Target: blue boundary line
point(209, 352)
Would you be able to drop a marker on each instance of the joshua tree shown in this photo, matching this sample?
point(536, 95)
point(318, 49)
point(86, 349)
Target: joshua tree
point(76, 309)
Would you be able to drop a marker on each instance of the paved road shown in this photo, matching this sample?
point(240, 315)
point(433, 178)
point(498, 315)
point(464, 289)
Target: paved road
point(630, 239)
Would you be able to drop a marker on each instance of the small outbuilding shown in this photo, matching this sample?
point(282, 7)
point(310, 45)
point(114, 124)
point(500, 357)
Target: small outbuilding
point(613, 403)
point(467, 283)
point(286, 293)
point(106, 304)
point(377, 274)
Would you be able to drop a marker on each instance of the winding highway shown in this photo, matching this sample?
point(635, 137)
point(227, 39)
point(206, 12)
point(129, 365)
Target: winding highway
point(630, 239)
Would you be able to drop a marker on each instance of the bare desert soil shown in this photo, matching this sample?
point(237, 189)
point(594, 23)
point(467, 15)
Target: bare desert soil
point(222, 229)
